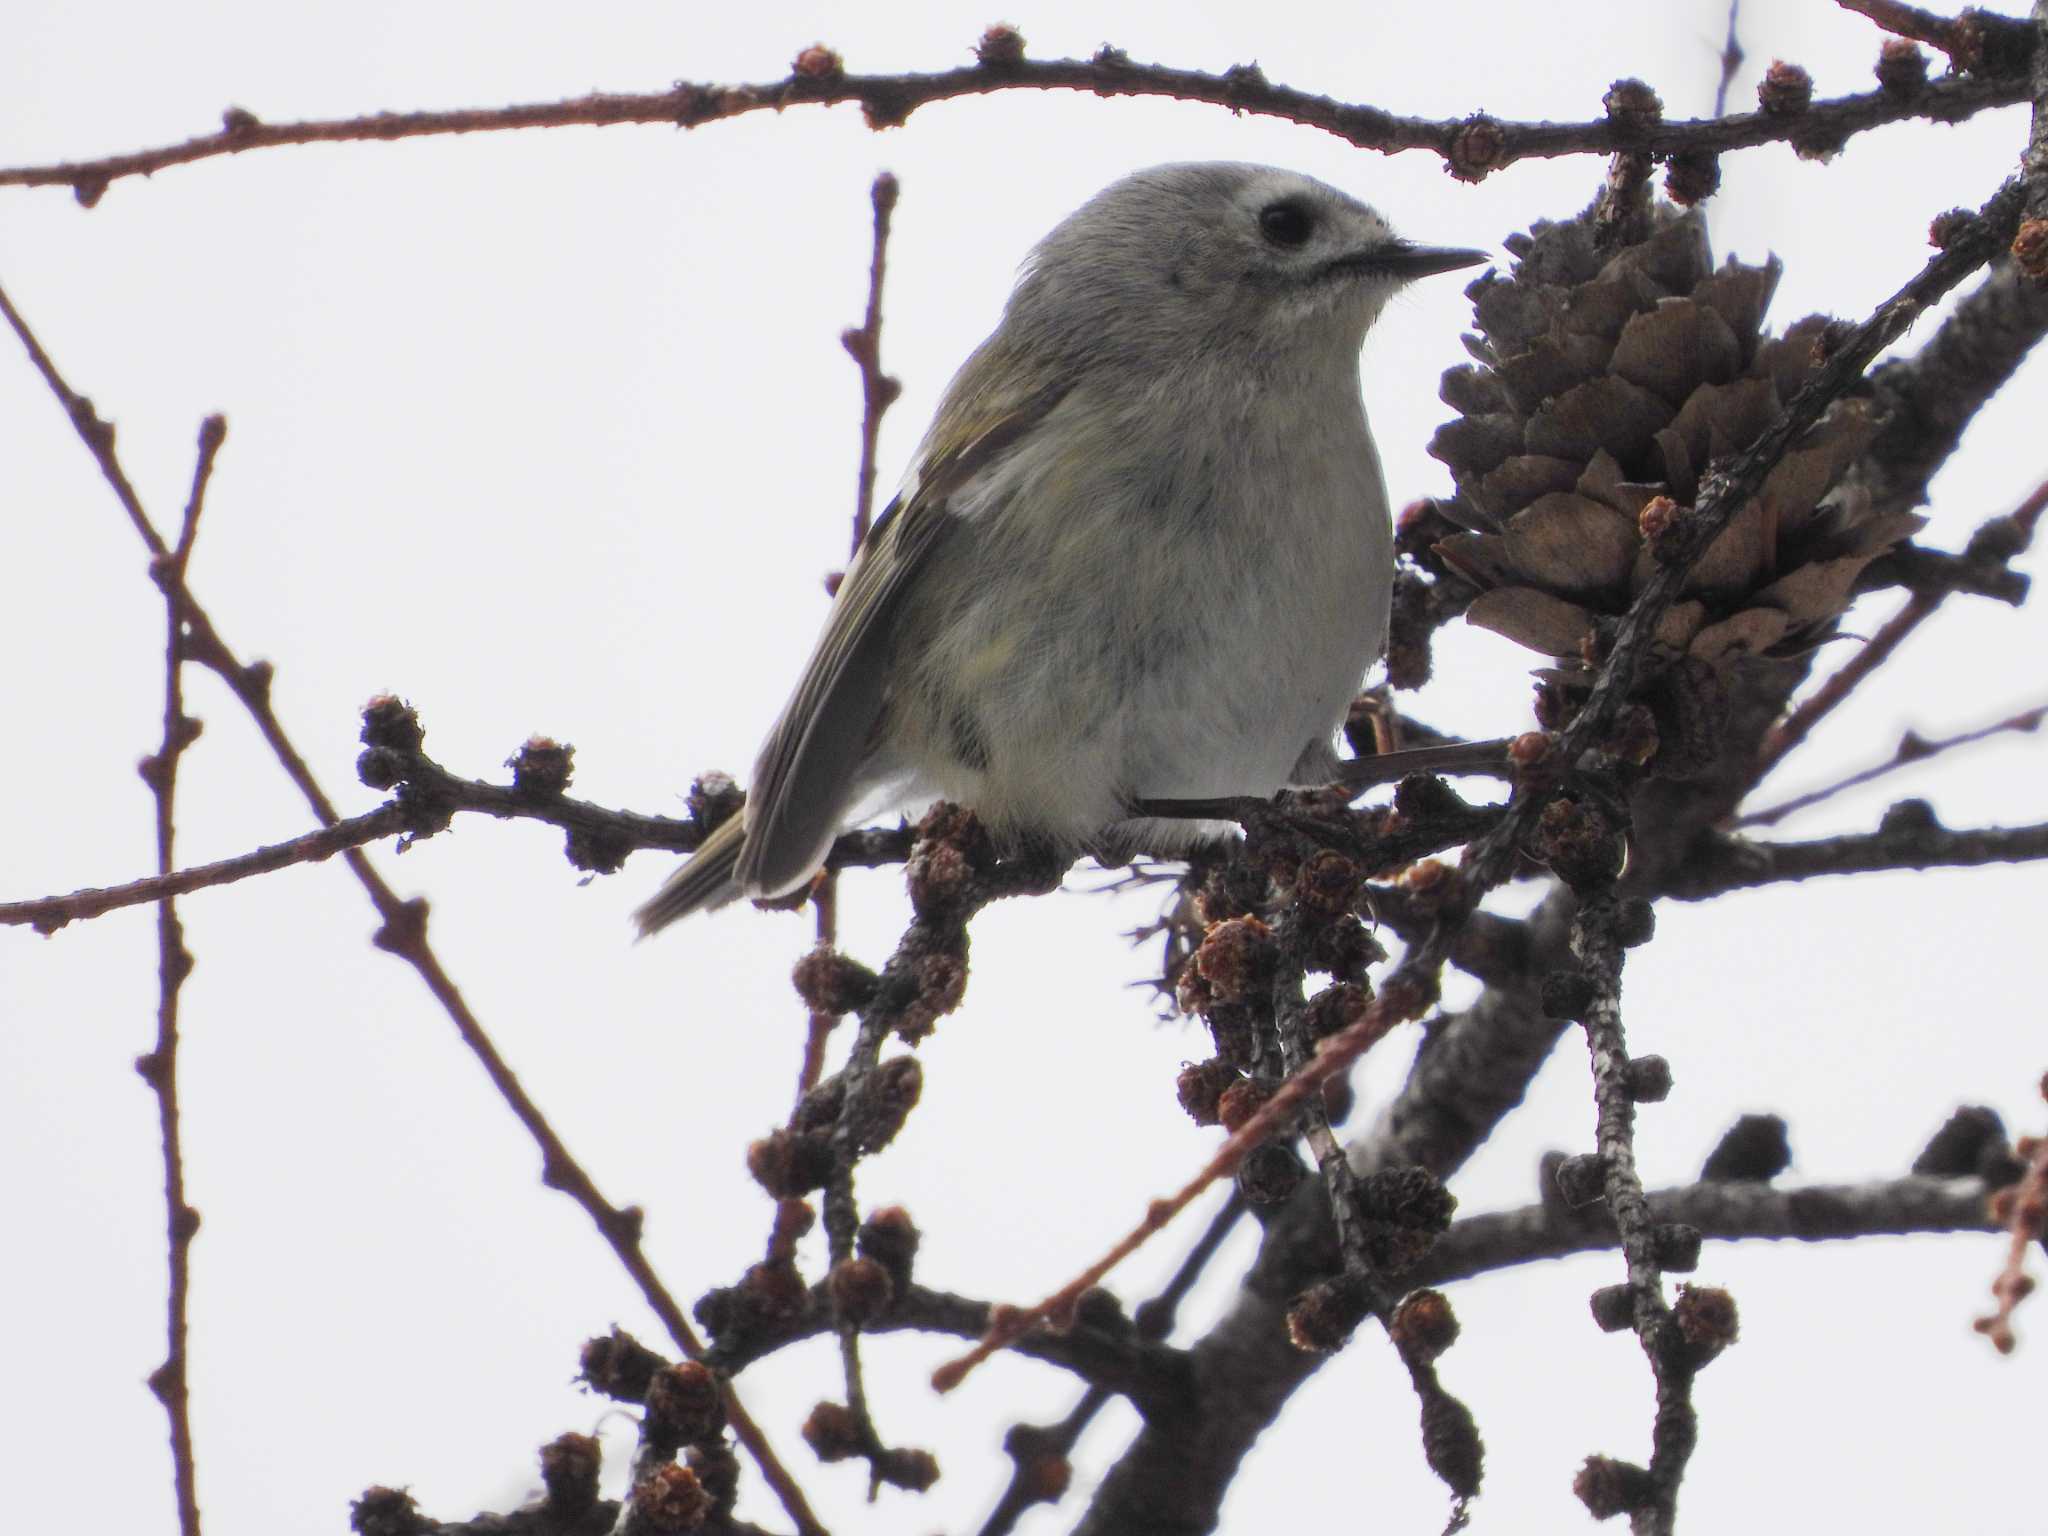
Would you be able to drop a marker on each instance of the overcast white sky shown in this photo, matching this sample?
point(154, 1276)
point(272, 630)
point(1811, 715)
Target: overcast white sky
point(552, 432)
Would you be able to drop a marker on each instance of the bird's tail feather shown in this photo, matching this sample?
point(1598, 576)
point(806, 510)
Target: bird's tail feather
point(704, 882)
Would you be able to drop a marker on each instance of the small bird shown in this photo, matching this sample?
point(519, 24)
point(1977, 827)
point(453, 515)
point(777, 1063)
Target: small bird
point(1142, 554)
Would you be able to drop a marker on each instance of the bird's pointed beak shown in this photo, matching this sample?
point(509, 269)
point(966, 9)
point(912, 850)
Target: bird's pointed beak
point(1407, 262)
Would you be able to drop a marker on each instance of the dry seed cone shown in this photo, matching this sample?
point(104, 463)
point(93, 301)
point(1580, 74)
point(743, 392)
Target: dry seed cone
point(1606, 381)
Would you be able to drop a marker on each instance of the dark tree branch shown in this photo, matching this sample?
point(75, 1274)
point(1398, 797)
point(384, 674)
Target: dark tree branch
point(1479, 758)
point(1152, 1375)
point(1971, 40)
point(599, 838)
point(2035, 160)
point(1489, 947)
point(571, 1508)
point(1721, 1210)
point(1030, 1445)
point(1908, 838)
point(1935, 572)
point(1471, 147)
point(1432, 820)
point(1247, 1367)
point(1597, 941)
point(1928, 399)
point(1473, 1067)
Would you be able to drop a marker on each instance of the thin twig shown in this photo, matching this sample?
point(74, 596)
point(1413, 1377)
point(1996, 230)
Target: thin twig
point(878, 391)
point(46, 914)
point(2019, 1211)
point(825, 936)
point(1288, 1005)
point(1597, 943)
point(923, 980)
point(1731, 60)
point(842, 1219)
point(1471, 147)
point(159, 1068)
point(1451, 1442)
point(1487, 759)
point(1405, 995)
point(1392, 1005)
point(599, 838)
point(1789, 732)
point(1912, 748)
point(1794, 728)
point(403, 931)
point(1030, 1445)
point(98, 435)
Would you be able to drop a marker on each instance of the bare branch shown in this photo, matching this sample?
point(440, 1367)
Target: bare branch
point(1488, 758)
point(428, 795)
point(1908, 838)
point(1934, 571)
point(404, 929)
point(159, 1067)
point(1244, 1358)
point(2019, 1213)
point(1598, 942)
point(599, 838)
point(2035, 161)
point(1471, 147)
point(878, 391)
point(1731, 59)
point(46, 914)
point(1033, 1448)
point(1995, 545)
point(1971, 40)
point(1789, 732)
point(1912, 748)
point(1721, 1210)
point(1927, 399)
point(1151, 1374)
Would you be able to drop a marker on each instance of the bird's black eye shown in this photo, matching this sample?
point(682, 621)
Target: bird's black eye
point(1287, 223)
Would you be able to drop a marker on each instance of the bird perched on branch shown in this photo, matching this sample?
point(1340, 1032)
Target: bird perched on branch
point(1143, 552)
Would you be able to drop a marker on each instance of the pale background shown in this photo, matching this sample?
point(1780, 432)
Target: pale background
point(552, 432)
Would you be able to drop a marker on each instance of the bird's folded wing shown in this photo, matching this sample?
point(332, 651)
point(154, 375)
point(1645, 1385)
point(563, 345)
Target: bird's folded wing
point(808, 772)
